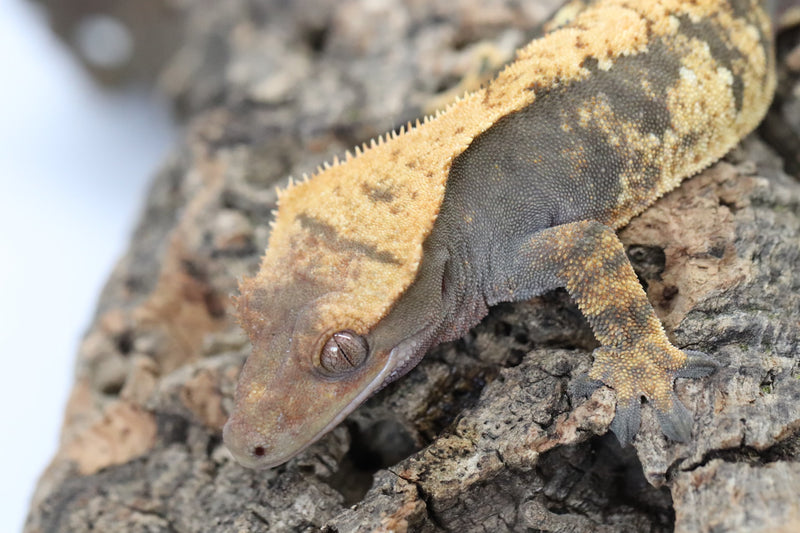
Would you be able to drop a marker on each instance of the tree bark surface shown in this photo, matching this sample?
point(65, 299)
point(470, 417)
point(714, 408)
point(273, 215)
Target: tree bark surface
point(484, 435)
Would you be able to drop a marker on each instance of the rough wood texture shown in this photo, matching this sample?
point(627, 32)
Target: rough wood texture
point(484, 435)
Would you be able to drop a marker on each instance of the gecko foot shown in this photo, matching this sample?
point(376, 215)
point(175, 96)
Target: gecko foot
point(647, 371)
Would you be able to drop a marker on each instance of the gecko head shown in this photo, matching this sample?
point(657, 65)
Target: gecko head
point(345, 246)
point(310, 367)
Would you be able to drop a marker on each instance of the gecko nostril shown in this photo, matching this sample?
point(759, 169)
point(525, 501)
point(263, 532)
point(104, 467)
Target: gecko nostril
point(259, 451)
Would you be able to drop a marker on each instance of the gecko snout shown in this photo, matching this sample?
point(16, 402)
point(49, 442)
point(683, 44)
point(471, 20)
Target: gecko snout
point(245, 444)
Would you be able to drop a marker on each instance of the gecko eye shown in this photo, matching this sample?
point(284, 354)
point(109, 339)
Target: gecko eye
point(343, 352)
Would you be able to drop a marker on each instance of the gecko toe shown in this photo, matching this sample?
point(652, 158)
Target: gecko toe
point(698, 365)
point(676, 422)
point(584, 386)
point(627, 420)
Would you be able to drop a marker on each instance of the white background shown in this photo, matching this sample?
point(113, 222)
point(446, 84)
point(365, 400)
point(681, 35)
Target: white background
point(74, 165)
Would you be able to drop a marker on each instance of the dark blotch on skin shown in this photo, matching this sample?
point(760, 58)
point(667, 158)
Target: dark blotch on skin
point(376, 194)
point(741, 8)
point(622, 87)
point(711, 34)
point(329, 234)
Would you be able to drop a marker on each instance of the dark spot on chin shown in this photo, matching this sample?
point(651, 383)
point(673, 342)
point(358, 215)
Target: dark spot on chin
point(259, 451)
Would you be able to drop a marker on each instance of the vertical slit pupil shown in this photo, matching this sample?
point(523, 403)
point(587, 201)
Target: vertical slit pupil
point(343, 351)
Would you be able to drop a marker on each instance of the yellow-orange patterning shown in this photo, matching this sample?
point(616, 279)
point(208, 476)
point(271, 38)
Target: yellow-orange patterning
point(513, 190)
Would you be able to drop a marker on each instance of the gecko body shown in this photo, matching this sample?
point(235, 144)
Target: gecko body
point(512, 191)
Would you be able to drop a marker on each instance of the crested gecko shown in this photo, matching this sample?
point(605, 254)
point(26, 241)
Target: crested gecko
point(513, 190)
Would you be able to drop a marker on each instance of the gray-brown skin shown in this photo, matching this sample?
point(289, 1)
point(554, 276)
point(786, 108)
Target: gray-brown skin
point(530, 205)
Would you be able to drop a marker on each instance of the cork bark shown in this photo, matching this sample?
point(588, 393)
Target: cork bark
point(484, 435)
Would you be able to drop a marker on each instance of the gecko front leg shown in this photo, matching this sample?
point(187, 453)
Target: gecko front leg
point(635, 357)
